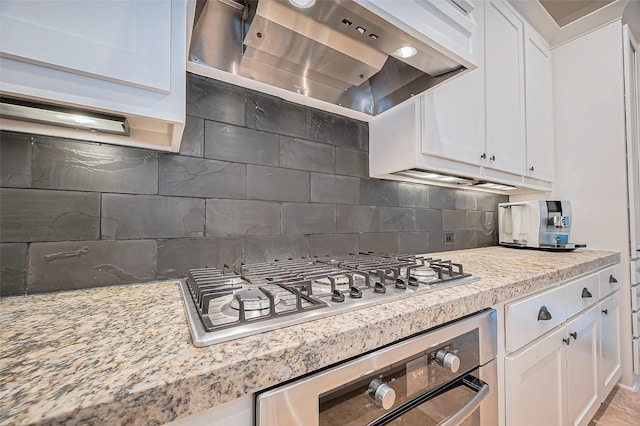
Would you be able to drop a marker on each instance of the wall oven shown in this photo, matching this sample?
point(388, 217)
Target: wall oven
point(446, 376)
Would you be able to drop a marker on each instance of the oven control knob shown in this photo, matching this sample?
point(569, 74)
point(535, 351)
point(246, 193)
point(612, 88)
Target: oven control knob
point(448, 360)
point(382, 393)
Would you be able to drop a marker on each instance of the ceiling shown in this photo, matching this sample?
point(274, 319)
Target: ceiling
point(567, 11)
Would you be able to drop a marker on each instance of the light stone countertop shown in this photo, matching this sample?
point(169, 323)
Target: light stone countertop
point(123, 355)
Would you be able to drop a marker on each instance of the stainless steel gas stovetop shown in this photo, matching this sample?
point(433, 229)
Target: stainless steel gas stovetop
point(260, 297)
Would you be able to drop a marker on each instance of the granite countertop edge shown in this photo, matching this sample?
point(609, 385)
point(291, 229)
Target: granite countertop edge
point(157, 374)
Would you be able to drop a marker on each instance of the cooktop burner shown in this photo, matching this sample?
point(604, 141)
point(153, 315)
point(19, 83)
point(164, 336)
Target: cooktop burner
point(260, 297)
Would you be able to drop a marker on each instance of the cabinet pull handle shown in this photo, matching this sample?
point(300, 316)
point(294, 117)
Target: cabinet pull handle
point(531, 169)
point(574, 335)
point(544, 314)
point(605, 311)
point(612, 279)
point(586, 293)
point(567, 341)
point(492, 158)
point(484, 155)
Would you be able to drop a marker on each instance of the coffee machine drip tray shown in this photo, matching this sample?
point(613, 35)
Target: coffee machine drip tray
point(548, 247)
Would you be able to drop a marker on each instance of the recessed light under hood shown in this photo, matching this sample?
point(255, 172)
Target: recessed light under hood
point(336, 51)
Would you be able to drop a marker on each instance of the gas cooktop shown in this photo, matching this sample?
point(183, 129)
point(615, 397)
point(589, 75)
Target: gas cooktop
point(223, 304)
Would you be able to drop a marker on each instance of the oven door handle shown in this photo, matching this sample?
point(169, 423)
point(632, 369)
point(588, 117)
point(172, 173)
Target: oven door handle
point(481, 388)
point(467, 409)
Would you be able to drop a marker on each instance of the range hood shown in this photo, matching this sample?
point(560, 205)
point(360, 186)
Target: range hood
point(336, 51)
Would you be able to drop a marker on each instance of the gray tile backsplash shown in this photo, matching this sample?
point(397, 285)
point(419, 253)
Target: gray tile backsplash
point(127, 216)
point(92, 167)
point(13, 268)
point(257, 178)
point(326, 188)
point(193, 137)
point(242, 217)
point(232, 143)
point(200, 177)
point(15, 160)
point(37, 215)
point(177, 255)
point(271, 183)
point(304, 155)
point(72, 265)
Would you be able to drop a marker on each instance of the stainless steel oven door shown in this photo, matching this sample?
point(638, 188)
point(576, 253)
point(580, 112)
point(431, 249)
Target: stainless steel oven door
point(467, 401)
point(403, 384)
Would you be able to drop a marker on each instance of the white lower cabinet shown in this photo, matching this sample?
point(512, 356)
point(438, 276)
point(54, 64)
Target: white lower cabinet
point(538, 370)
point(609, 340)
point(555, 380)
point(562, 350)
point(582, 367)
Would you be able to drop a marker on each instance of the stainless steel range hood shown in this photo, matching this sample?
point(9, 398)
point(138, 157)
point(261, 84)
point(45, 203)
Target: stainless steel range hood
point(335, 51)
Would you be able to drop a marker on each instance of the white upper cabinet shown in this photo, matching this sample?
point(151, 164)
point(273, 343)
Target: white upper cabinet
point(125, 58)
point(539, 107)
point(124, 41)
point(453, 114)
point(504, 82)
point(632, 122)
point(486, 125)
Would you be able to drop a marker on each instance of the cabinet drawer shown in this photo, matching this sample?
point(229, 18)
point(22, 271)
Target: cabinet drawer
point(635, 297)
point(522, 323)
point(581, 294)
point(635, 271)
point(636, 356)
point(610, 280)
point(635, 325)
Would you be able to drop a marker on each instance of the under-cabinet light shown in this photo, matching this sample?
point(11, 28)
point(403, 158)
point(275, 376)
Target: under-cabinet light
point(499, 186)
point(427, 175)
point(420, 174)
point(57, 115)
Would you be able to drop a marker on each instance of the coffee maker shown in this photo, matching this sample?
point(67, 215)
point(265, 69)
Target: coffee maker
point(542, 224)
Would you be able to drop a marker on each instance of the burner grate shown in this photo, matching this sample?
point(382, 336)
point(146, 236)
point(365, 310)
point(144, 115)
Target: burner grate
point(214, 292)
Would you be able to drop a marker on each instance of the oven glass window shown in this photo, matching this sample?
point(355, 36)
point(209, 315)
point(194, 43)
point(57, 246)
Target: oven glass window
point(356, 407)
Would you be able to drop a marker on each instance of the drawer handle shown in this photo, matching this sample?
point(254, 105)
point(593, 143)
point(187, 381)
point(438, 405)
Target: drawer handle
point(605, 311)
point(544, 314)
point(574, 335)
point(612, 279)
point(586, 293)
point(567, 341)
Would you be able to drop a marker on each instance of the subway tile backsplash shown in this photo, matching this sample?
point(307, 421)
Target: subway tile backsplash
point(257, 178)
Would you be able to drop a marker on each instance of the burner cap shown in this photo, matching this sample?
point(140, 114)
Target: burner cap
point(423, 272)
point(254, 299)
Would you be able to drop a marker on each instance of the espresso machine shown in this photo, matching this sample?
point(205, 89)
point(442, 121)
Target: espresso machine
point(541, 224)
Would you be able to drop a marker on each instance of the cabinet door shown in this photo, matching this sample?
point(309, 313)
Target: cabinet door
point(453, 114)
point(582, 368)
point(122, 41)
point(539, 107)
point(534, 379)
point(632, 112)
point(504, 79)
point(609, 339)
